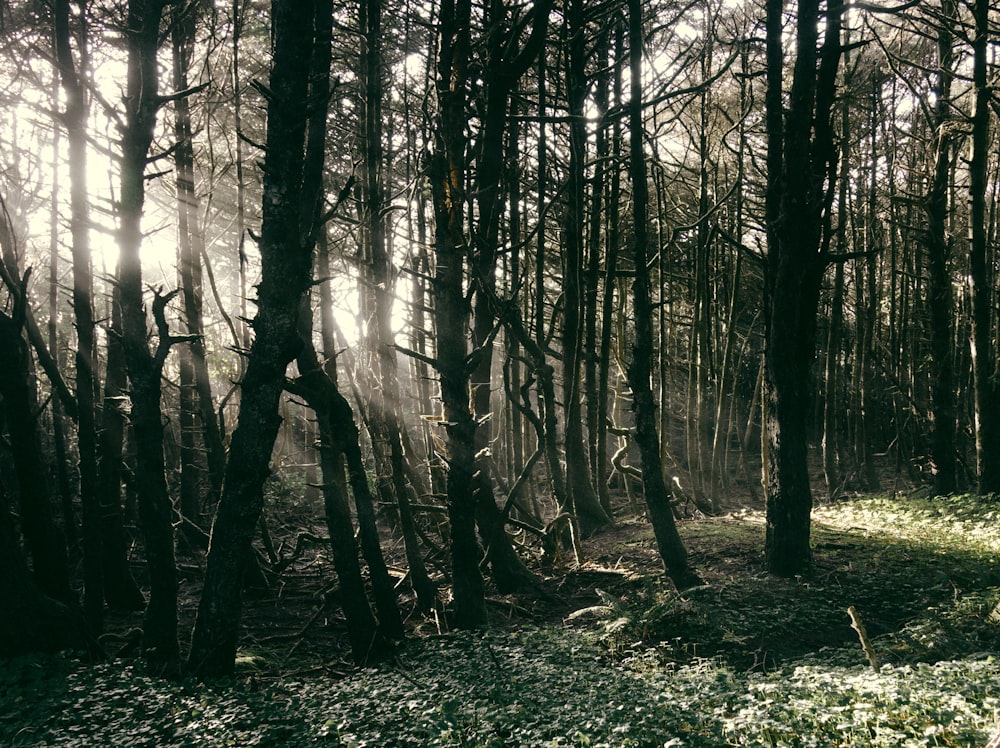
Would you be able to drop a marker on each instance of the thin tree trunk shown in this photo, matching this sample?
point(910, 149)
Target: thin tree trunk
point(97, 582)
point(447, 178)
point(196, 390)
point(320, 392)
point(831, 399)
point(940, 295)
point(384, 407)
point(59, 420)
point(591, 363)
point(584, 502)
point(160, 644)
point(984, 364)
point(657, 493)
point(506, 66)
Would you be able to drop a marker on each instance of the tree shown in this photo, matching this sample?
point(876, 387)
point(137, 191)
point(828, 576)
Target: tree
point(142, 102)
point(196, 402)
point(286, 260)
point(583, 500)
point(655, 489)
point(105, 570)
point(940, 295)
point(503, 68)
point(981, 273)
point(801, 169)
point(447, 174)
point(383, 402)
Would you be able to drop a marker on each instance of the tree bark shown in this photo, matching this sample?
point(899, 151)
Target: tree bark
point(286, 258)
point(584, 502)
point(984, 364)
point(801, 169)
point(940, 295)
point(159, 643)
point(656, 491)
point(451, 312)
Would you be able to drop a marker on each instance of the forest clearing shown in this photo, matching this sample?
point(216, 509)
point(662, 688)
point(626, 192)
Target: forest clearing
point(607, 654)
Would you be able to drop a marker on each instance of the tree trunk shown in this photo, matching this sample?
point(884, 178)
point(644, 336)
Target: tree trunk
point(984, 364)
point(657, 493)
point(384, 406)
point(44, 540)
point(198, 405)
point(801, 161)
point(321, 394)
point(596, 433)
point(451, 312)
point(940, 296)
point(831, 400)
point(584, 502)
point(286, 257)
point(160, 645)
point(60, 422)
point(95, 584)
point(505, 68)
point(120, 589)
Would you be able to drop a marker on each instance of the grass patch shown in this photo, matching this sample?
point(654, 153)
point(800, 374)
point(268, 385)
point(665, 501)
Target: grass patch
point(745, 660)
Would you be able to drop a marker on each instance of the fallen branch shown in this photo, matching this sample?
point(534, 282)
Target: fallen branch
point(866, 643)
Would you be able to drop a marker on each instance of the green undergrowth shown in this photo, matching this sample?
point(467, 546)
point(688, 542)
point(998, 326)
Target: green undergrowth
point(745, 660)
point(924, 577)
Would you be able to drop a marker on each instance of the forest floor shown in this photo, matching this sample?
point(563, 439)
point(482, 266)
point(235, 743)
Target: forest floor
point(606, 653)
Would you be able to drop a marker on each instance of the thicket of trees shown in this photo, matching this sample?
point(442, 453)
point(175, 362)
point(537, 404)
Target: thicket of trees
point(463, 273)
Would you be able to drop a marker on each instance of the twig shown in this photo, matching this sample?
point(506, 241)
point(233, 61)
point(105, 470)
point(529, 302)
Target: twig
point(866, 643)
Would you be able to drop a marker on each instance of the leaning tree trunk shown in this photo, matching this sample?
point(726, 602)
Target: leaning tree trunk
point(286, 258)
point(801, 168)
point(656, 491)
point(319, 391)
